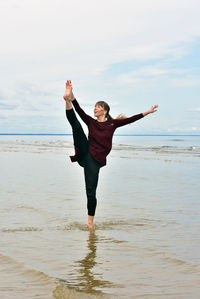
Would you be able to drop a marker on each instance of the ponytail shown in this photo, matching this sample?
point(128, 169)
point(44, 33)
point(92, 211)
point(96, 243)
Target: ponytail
point(108, 116)
point(121, 116)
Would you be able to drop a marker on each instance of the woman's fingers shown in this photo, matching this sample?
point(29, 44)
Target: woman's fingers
point(153, 108)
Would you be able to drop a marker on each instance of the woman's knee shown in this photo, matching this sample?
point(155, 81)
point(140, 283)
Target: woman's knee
point(77, 128)
point(91, 192)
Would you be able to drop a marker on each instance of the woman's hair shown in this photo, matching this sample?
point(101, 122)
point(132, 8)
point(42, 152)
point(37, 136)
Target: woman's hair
point(107, 108)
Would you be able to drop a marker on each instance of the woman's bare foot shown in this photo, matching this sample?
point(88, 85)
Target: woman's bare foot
point(68, 95)
point(90, 222)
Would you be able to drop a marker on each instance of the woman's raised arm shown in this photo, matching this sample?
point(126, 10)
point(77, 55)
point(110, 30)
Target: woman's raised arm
point(69, 97)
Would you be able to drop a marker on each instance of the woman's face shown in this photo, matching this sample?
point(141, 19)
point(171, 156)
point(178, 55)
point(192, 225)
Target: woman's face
point(99, 111)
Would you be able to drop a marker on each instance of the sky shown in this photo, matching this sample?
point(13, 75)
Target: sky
point(130, 53)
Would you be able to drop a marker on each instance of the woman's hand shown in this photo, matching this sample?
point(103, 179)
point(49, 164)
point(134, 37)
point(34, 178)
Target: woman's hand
point(68, 92)
point(151, 110)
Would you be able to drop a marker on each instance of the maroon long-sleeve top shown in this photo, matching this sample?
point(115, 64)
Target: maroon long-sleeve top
point(100, 133)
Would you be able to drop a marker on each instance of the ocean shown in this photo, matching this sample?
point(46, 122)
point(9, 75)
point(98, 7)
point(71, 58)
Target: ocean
point(146, 241)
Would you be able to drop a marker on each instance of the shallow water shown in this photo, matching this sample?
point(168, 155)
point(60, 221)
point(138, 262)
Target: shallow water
point(146, 240)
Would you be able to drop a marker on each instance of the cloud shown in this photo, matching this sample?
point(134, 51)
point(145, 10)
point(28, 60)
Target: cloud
point(7, 107)
point(111, 30)
point(184, 129)
point(194, 109)
point(149, 76)
point(185, 81)
point(43, 43)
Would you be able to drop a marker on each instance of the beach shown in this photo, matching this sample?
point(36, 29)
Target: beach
point(146, 240)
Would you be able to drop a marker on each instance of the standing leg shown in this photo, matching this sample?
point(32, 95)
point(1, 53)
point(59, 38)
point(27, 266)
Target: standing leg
point(91, 172)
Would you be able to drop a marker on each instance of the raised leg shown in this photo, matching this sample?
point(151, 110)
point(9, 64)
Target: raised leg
point(79, 137)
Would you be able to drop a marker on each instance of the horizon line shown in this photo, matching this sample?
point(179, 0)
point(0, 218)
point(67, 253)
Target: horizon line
point(66, 134)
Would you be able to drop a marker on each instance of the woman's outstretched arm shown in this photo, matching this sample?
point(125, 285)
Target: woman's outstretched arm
point(122, 122)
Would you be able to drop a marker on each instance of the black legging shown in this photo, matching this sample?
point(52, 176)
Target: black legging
point(90, 165)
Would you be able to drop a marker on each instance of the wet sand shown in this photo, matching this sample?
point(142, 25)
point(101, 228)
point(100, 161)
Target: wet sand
point(146, 239)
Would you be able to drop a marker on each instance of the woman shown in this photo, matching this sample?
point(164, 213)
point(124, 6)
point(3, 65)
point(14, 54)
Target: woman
point(91, 153)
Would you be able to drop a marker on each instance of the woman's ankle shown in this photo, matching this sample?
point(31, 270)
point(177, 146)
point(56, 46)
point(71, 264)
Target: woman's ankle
point(90, 221)
point(68, 105)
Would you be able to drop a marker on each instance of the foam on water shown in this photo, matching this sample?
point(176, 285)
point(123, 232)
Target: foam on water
point(135, 143)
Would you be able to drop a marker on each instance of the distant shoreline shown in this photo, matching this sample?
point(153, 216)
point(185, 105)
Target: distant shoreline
point(46, 134)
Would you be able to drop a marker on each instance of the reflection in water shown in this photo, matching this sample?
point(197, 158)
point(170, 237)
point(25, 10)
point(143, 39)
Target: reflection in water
point(87, 280)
